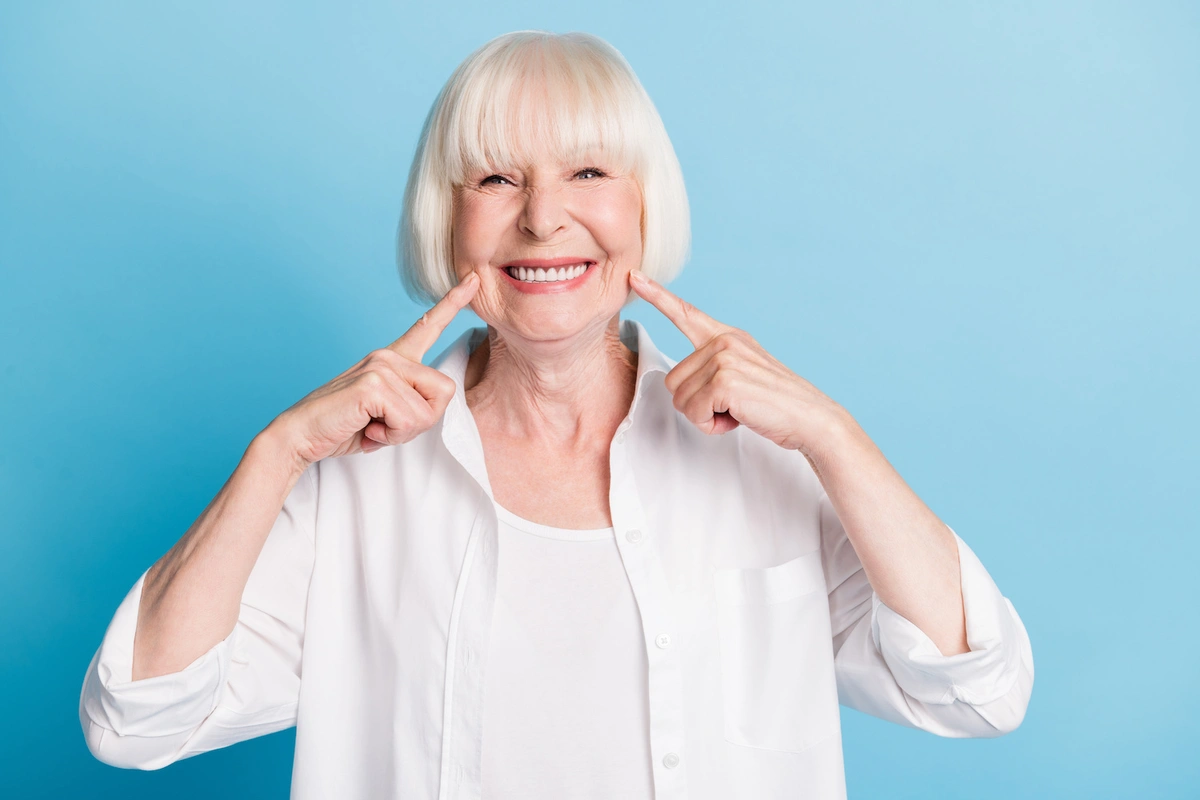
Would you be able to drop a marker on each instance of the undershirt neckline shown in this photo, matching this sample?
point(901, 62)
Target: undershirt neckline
point(549, 532)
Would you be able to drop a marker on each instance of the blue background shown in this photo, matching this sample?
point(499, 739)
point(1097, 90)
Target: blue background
point(974, 226)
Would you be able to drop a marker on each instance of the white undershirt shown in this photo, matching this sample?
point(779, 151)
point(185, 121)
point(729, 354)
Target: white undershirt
point(565, 714)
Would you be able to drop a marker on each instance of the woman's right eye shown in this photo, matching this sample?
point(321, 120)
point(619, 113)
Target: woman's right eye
point(495, 177)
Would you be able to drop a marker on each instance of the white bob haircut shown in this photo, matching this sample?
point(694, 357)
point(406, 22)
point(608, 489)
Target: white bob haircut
point(516, 94)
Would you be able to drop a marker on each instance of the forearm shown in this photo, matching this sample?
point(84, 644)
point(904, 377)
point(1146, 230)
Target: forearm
point(191, 596)
point(909, 555)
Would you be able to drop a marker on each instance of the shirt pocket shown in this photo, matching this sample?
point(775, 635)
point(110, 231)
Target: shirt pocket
point(777, 677)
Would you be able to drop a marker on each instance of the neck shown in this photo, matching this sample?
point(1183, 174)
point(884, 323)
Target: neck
point(564, 390)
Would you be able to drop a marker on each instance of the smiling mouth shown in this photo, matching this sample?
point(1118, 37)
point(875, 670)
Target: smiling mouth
point(547, 275)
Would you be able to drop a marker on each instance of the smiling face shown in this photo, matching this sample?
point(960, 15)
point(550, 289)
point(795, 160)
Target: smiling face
point(553, 244)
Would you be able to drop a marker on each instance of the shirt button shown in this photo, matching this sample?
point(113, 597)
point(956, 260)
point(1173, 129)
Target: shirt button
point(663, 641)
point(670, 761)
point(467, 656)
point(634, 536)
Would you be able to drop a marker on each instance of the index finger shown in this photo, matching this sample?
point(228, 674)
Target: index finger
point(425, 331)
point(697, 326)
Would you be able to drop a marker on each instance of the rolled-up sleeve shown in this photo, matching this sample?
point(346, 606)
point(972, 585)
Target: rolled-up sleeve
point(888, 667)
point(245, 685)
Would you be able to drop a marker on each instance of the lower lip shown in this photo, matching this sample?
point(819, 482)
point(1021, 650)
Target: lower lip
point(548, 287)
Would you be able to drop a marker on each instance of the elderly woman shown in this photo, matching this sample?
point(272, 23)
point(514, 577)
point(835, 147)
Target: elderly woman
point(556, 563)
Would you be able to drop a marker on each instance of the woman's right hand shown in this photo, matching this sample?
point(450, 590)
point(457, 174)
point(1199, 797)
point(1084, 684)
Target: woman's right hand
point(389, 397)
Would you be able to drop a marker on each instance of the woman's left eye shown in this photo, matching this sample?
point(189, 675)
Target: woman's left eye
point(591, 170)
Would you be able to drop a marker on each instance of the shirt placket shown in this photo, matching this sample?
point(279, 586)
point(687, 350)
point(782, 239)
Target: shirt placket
point(637, 543)
point(466, 657)
point(470, 621)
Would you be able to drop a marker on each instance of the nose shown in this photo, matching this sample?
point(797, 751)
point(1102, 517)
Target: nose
point(544, 213)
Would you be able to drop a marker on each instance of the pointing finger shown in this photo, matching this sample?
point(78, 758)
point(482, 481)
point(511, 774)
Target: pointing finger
point(425, 331)
point(697, 326)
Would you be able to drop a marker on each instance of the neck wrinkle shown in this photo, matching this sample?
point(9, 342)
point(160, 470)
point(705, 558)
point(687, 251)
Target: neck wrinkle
point(563, 392)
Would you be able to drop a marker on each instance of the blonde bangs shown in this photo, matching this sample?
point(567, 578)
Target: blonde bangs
point(550, 96)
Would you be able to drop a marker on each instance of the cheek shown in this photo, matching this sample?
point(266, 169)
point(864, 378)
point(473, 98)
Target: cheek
point(617, 223)
point(466, 238)
point(476, 231)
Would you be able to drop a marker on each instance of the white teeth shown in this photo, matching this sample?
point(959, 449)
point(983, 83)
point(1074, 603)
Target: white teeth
point(529, 274)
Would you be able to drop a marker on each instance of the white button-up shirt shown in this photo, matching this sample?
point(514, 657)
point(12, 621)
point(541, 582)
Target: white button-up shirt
point(366, 621)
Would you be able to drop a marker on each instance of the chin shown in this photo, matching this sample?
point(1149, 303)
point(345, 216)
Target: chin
point(546, 327)
point(551, 324)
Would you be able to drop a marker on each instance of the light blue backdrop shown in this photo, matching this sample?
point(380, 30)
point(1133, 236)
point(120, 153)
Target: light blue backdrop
point(975, 226)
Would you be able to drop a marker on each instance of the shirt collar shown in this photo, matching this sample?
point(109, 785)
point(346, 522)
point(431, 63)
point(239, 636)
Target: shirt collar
point(459, 433)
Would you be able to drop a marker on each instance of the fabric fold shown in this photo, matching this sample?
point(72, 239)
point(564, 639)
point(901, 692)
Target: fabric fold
point(162, 705)
point(983, 674)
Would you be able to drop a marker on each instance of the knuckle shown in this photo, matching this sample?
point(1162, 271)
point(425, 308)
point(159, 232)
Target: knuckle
point(729, 339)
point(372, 381)
point(381, 356)
point(741, 337)
point(724, 359)
point(399, 424)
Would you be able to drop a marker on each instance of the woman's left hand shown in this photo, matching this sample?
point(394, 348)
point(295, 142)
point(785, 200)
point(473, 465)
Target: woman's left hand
point(730, 380)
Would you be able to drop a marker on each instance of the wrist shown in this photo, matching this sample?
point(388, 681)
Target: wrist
point(836, 433)
point(275, 447)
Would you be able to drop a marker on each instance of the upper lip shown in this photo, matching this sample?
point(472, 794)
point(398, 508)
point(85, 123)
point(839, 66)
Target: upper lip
point(547, 263)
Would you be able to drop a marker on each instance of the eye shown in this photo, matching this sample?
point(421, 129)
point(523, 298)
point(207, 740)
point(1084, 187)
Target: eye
point(486, 181)
point(592, 170)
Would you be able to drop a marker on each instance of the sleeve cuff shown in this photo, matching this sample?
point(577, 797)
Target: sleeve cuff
point(162, 705)
point(983, 674)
